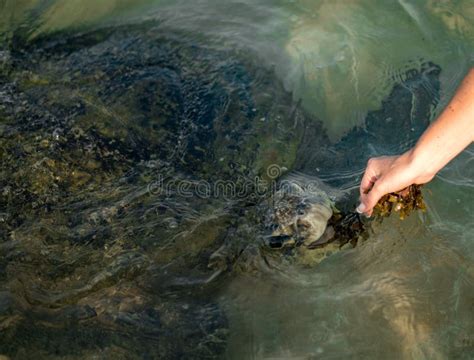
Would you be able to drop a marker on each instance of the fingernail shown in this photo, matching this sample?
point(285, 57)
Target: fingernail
point(361, 208)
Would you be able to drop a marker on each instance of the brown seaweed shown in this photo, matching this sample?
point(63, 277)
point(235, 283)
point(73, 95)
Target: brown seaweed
point(348, 227)
point(403, 202)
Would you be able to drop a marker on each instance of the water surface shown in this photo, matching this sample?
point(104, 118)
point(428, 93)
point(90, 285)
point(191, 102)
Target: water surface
point(99, 102)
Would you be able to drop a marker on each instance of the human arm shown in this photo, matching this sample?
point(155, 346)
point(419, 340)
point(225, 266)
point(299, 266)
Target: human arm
point(445, 138)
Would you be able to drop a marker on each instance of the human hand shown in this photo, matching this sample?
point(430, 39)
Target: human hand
point(446, 137)
point(388, 174)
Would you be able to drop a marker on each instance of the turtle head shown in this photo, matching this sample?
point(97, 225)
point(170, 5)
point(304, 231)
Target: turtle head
point(297, 217)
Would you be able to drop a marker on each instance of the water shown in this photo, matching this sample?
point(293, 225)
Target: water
point(104, 104)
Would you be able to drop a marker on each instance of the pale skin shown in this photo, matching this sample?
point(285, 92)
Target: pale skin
point(445, 138)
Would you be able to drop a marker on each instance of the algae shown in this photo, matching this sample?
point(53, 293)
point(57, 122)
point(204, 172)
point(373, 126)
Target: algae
point(402, 202)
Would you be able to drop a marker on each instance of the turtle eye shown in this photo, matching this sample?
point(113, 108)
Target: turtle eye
point(302, 225)
point(300, 208)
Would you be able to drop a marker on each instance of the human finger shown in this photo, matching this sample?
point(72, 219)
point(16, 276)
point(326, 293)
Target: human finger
point(370, 199)
point(370, 176)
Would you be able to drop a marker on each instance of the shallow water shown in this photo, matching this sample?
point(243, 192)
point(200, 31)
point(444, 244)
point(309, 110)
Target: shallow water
point(102, 104)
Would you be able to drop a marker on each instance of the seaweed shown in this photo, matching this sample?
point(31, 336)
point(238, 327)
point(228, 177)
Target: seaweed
point(403, 202)
point(349, 227)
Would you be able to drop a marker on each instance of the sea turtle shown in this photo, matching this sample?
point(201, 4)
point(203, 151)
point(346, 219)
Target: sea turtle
point(90, 122)
point(94, 123)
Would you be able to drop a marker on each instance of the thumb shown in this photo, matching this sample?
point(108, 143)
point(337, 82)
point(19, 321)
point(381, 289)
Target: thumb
point(369, 200)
